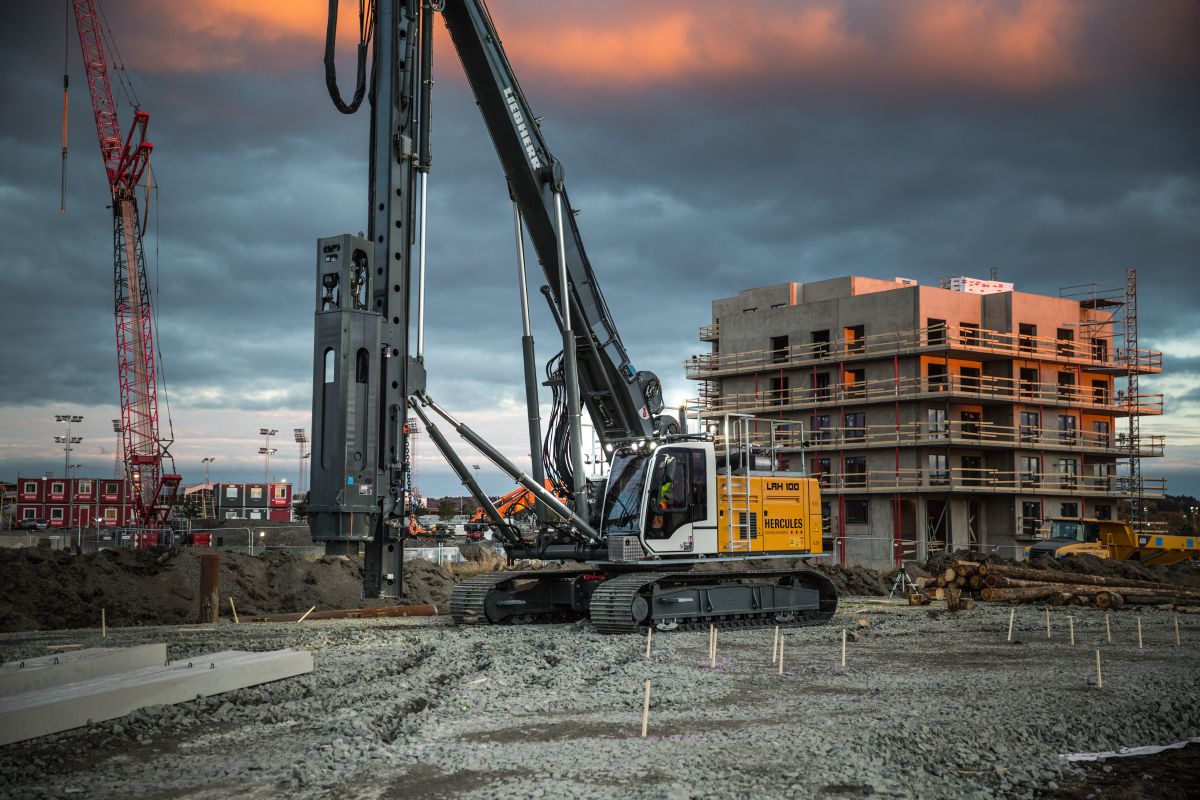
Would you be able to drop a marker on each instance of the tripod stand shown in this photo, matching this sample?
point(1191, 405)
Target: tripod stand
point(903, 582)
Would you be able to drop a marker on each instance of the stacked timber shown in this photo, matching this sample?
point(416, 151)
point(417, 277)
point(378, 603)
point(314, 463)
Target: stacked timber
point(1010, 584)
point(960, 585)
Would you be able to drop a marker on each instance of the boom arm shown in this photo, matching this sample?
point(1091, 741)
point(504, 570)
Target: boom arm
point(623, 403)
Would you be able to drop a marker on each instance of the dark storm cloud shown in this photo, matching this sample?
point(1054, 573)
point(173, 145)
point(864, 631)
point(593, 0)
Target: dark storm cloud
point(838, 148)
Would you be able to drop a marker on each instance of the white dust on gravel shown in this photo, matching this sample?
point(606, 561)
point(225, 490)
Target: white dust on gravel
point(931, 705)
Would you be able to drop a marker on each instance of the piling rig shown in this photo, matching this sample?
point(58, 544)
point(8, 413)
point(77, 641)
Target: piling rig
point(673, 500)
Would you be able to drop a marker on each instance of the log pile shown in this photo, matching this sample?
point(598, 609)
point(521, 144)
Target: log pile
point(966, 581)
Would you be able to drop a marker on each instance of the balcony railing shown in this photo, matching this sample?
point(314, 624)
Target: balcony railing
point(955, 433)
point(985, 481)
point(982, 387)
point(710, 333)
point(927, 339)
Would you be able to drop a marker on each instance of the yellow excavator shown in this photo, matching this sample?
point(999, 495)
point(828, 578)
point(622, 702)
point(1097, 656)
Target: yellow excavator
point(1107, 538)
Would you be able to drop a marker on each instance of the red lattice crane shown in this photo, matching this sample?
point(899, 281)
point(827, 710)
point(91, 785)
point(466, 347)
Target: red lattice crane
point(126, 159)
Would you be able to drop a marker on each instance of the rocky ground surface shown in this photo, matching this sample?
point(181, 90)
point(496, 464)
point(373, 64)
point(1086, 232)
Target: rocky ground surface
point(930, 705)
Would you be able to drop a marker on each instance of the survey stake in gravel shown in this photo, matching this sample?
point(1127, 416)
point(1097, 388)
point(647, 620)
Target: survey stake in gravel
point(673, 498)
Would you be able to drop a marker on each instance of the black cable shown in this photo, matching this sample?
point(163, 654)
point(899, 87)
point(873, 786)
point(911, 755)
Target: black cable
point(556, 450)
point(364, 29)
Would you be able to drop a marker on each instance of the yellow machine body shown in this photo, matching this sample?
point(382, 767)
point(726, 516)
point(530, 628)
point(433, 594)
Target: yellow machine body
point(784, 513)
point(1105, 538)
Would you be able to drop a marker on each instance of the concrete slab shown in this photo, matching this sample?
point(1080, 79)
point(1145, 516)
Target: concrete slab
point(60, 708)
point(44, 672)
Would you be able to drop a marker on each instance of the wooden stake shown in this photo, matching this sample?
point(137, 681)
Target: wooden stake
point(1139, 619)
point(233, 608)
point(646, 710)
point(1107, 627)
point(1012, 615)
point(649, 635)
point(1099, 679)
point(1176, 617)
point(306, 613)
point(104, 623)
point(843, 648)
point(1071, 625)
point(775, 646)
point(1047, 622)
point(781, 654)
point(712, 646)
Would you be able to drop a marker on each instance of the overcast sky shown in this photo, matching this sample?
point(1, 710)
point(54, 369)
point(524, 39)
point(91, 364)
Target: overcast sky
point(711, 146)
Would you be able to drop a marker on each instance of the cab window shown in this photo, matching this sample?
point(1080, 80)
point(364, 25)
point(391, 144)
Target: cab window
point(678, 491)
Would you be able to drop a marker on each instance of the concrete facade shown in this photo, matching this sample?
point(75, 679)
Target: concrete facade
point(934, 417)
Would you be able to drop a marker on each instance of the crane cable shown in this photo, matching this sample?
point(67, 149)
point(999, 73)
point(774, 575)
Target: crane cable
point(366, 21)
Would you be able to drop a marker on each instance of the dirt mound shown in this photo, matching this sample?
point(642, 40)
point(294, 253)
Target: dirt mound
point(44, 590)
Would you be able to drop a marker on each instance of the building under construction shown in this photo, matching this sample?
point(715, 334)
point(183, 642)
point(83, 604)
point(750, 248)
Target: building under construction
point(956, 416)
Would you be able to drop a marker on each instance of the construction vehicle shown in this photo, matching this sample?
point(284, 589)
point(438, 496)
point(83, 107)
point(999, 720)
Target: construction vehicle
point(1107, 538)
point(673, 500)
point(149, 467)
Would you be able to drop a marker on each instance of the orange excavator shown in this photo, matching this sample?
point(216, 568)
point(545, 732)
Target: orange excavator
point(513, 503)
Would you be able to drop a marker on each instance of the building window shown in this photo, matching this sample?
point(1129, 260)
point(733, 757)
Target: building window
point(1030, 422)
point(939, 472)
point(111, 488)
point(1100, 391)
point(856, 385)
point(84, 487)
point(231, 515)
point(937, 331)
point(820, 341)
point(937, 377)
point(856, 426)
point(1103, 512)
point(821, 469)
point(1069, 510)
point(56, 513)
point(937, 423)
point(1067, 428)
point(969, 379)
point(1031, 470)
point(56, 487)
point(856, 511)
point(29, 513)
point(972, 470)
point(1069, 469)
point(1101, 476)
point(30, 487)
point(854, 336)
point(968, 333)
point(1031, 518)
point(820, 428)
point(231, 492)
point(110, 515)
point(1065, 343)
point(1100, 433)
point(280, 492)
point(780, 394)
point(779, 349)
point(1100, 350)
point(1028, 337)
point(1029, 382)
point(1066, 385)
point(854, 470)
point(821, 386)
point(256, 493)
point(970, 423)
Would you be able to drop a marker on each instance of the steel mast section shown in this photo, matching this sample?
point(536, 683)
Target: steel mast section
point(624, 404)
point(126, 159)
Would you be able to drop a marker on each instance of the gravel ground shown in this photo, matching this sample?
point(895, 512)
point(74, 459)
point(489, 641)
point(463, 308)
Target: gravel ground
point(930, 705)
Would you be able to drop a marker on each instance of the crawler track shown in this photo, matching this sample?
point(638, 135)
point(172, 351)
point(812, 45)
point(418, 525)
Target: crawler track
point(629, 601)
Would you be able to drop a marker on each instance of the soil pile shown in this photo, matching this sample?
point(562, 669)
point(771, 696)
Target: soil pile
point(47, 590)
